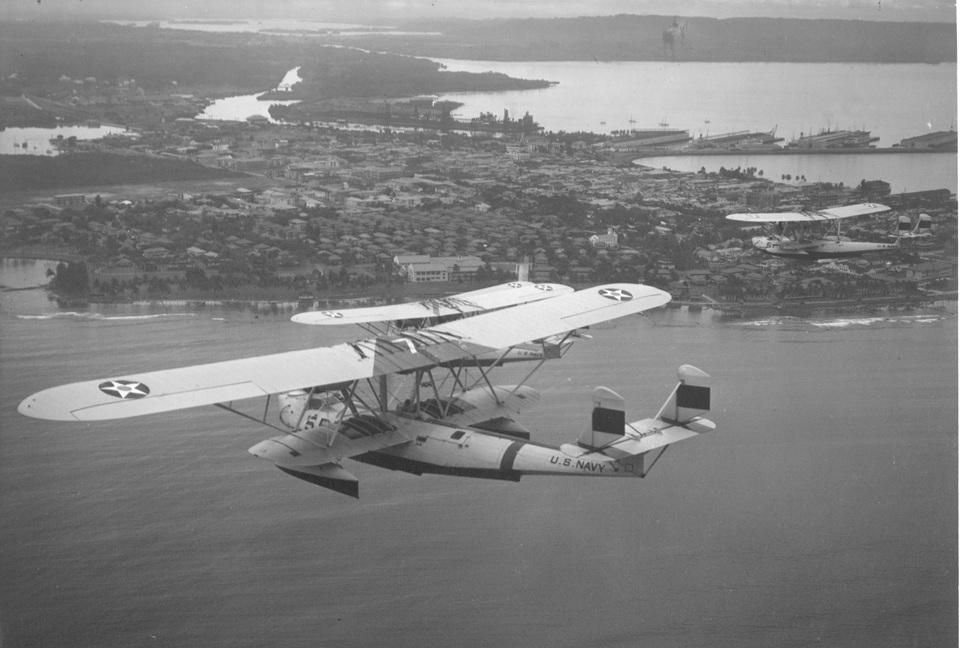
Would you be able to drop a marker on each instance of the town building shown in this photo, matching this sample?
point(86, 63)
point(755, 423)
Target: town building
point(66, 200)
point(946, 140)
point(924, 273)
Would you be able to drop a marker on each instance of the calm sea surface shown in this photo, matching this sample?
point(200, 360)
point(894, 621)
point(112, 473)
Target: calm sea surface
point(36, 141)
point(892, 101)
point(823, 510)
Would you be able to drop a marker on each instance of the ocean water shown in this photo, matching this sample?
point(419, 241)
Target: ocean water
point(36, 141)
point(892, 101)
point(823, 510)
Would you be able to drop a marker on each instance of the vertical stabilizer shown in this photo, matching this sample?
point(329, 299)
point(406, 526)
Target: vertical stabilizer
point(608, 420)
point(904, 226)
point(923, 227)
point(690, 399)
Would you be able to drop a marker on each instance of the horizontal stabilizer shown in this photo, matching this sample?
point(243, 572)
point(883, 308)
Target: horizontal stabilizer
point(331, 476)
point(921, 229)
point(657, 433)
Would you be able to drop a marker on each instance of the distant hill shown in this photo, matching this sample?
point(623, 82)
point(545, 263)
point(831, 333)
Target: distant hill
point(641, 38)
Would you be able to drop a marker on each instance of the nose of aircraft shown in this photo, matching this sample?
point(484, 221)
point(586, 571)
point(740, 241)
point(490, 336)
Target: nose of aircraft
point(305, 448)
point(760, 241)
point(270, 450)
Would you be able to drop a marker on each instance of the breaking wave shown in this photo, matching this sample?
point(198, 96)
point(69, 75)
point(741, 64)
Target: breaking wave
point(835, 323)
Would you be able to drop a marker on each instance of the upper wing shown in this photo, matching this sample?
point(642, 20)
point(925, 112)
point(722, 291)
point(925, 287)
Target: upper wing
point(580, 309)
point(836, 213)
point(492, 298)
point(136, 394)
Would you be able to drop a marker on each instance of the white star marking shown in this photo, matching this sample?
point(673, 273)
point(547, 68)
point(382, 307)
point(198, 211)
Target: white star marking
point(619, 294)
point(124, 388)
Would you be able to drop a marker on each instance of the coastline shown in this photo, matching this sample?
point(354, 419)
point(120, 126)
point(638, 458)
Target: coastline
point(791, 151)
point(734, 310)
point(260, 298)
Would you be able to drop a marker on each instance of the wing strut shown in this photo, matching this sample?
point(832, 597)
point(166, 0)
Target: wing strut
point(527, 377)
point(486, 379)
point(383, 393)
point(540, 364)
point(306, 406)
point(644, 469)
point(441, 406)
point(252, 418)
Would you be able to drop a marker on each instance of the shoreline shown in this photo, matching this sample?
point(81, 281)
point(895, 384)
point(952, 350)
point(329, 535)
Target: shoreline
point(745, 310)
point(783, 151)
point(943, 302)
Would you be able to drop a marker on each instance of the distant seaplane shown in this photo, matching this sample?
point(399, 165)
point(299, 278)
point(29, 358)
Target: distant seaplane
point(802, 235)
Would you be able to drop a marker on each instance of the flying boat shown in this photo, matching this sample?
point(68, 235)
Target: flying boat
point(806, 235)
point(416, 400)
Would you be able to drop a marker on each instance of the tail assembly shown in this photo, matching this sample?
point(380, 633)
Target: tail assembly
point(923, 227)
point(680, 418)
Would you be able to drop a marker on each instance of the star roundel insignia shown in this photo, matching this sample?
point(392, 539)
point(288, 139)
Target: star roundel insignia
point(333, 314)
point(124, 388)
point(515, 284)
point(543, 287)
point(616, 294)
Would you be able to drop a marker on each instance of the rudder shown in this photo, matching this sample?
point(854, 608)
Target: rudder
point(608, 420)
point(690, 399)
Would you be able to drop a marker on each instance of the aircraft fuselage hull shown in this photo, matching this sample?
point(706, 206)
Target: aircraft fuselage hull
point(826, 249)
point(448, 450)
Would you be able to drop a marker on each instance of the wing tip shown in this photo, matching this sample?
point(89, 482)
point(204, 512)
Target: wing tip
point(38, 408)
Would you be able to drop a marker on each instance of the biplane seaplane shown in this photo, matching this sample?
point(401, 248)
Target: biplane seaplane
point(805, 235)
point(417, 400)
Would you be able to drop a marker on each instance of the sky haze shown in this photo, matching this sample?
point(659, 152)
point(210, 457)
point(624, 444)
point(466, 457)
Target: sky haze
point(392, 11)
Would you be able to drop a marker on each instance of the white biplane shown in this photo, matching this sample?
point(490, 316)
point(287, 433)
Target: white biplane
point(804, 235)
point(343, 401)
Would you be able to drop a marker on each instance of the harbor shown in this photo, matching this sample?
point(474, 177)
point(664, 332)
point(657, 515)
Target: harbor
point(826, 142)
